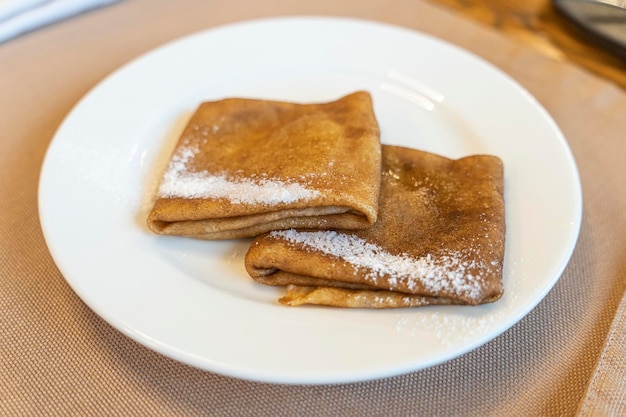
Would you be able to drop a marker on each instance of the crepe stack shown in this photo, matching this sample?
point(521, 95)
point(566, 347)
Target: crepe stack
point(243, 167)
point(339, 219)
point(439, 239)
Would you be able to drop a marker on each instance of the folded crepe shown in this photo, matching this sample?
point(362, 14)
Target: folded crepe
point(243, 167)
point(439, 239)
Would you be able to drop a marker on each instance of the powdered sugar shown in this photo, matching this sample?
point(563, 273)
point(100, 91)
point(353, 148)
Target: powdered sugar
point(447, 328)
point(179, 181)
point(448, 272)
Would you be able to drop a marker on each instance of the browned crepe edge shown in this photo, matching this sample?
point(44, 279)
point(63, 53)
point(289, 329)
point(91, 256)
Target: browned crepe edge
point(254, 225)
point(347, 297)
point(352, 298)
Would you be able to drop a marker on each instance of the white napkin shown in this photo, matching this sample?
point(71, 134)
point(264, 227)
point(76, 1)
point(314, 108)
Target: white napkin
point(20, 16)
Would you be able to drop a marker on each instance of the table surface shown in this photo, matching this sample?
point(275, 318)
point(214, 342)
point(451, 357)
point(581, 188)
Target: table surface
point(57, 357)
point(537, 24)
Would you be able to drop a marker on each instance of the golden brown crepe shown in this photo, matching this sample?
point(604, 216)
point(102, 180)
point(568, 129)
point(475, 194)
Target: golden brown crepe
point(439, 239)
point(243, 167)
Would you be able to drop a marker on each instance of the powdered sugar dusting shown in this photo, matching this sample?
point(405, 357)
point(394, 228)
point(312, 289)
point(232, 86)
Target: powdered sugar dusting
point(447, 328)
point(446, 273)
point(179, 181)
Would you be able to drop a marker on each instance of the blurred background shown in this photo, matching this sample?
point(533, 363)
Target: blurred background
point(553, 27)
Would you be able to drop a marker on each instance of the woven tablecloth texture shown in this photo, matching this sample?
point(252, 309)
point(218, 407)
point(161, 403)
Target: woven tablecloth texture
point(58, 358)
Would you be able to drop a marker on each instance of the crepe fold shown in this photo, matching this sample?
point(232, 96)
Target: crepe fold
point(243, 167)
point(439, 239)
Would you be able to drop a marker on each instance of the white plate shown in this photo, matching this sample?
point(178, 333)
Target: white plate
point(192, 300)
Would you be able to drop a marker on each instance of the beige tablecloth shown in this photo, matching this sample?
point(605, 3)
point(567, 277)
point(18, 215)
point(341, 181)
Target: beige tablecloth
point(58, 358)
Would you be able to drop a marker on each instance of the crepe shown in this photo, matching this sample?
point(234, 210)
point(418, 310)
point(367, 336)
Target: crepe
point(243, 167)
point(439, 239)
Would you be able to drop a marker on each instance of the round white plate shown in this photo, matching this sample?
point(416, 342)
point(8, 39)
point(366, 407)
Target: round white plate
point(192, 300)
